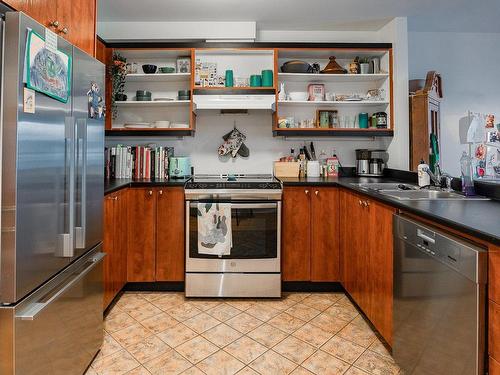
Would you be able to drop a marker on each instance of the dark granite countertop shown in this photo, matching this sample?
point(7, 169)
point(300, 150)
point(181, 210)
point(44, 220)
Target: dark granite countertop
point(120, 183)
point(480, 219)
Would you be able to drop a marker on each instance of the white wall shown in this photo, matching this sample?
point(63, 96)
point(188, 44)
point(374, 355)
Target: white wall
point(469, 64)
point(265, 148)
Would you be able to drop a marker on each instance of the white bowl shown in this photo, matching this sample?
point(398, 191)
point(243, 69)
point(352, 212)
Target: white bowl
point(179, 125)
point(298, 95)
point(162, 124)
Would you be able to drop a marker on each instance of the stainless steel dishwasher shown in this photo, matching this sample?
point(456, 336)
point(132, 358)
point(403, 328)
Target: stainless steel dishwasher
point(439, 301)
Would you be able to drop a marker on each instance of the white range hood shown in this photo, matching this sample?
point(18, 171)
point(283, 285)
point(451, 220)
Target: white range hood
point(232, 101)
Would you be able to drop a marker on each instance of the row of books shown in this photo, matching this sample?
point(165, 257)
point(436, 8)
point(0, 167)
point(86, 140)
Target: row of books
point(137, 162)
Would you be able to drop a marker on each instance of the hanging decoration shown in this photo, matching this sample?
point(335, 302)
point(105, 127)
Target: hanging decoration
point(48, 70)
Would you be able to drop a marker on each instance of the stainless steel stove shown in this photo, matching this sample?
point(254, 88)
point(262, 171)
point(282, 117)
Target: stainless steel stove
point(250, 208)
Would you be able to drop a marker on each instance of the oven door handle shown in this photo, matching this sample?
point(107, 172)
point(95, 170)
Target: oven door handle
point(244, 205)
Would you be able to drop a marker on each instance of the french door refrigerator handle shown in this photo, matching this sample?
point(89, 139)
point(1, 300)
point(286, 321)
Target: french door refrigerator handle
point(80, 227)
point(31, 312)
point(66, 246)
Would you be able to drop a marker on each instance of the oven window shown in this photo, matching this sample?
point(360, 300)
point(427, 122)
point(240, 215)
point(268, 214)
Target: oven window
point(254, 233)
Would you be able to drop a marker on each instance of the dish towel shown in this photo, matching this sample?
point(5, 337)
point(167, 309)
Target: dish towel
point(214, 229)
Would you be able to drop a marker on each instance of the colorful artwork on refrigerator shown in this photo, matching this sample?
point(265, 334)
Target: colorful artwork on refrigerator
point(47, 71)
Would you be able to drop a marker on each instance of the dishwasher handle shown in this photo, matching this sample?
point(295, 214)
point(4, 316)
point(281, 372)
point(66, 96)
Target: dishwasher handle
point(421, 234)
point(31, 312)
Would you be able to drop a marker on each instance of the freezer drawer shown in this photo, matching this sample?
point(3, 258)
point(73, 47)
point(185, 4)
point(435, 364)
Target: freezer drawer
point(59, 328)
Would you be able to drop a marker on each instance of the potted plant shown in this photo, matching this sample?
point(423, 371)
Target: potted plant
point(118, 72)
point(364, 65)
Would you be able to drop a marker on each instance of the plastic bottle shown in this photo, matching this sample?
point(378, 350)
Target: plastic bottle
point(423, 177)
point(466, 169)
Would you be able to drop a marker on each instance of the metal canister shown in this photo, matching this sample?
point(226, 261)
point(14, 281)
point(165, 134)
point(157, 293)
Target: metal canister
point(381, 120)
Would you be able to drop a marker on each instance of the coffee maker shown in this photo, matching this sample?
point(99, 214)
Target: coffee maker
point(370, 163)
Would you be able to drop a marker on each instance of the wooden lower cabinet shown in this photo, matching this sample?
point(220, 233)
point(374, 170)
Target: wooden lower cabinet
point(310, 242)
point(156, 234)
point(115, 244)
point(494, 367)
point(366, 252)
point(296, 234)
point(170, 216)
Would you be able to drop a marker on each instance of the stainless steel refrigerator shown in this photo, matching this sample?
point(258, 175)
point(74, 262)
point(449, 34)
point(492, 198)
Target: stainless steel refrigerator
point(52, 200)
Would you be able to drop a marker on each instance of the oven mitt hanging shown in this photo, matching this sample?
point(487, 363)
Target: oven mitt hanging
point(233, 143)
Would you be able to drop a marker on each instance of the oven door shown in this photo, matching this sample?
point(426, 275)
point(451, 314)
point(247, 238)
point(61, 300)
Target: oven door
point(256, 231)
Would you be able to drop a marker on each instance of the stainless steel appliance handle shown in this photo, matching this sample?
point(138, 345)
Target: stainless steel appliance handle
point(422, 235)
point(243, 205)
point(36, 308)
point(66, 244)
point(80, 227)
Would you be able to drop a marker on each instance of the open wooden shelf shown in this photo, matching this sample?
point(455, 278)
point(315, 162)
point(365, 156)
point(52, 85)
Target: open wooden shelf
point(152, 103)
point(158, 77)
point(166, 132)
point(332, 132)
point(335, 103)
point(308, 77)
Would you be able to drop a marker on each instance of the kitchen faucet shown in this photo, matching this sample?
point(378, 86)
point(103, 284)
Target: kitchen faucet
point(437, 178)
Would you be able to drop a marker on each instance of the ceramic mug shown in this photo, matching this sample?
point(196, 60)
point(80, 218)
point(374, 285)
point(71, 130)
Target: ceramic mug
point(267, 78)
point(255, 80)
point(229, 78)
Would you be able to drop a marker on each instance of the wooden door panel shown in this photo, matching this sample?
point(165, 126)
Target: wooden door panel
point(108, 247)
point(170, 234)
point(296, 238)
point(494, 273)
point(325, 258)
point(43, 11)
point(121, 225)
point(141, 235)
point(494, 367)
point(380, 275)
point(79, 18)
point(494, 330)
point(352, 245)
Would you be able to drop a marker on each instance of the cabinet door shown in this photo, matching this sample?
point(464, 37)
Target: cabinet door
point(170, 234)
point(296, 238)
point(43, 11)
point(108, 247)
point(353, 245)
point(141, 235)
point(78, 19)
point(325, 239)
point(120, 240)
point(380, 277)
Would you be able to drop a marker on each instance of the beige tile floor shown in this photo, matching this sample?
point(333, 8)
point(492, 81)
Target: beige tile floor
point(303, 333)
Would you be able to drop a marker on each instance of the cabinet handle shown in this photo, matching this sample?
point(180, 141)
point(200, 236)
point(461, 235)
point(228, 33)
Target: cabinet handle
point(161, 192)
point(150, 192)
point(316, 192)
point(54, 23)
point(360, 202)
point(64, 30)
point(306, 191)
point(113, 198)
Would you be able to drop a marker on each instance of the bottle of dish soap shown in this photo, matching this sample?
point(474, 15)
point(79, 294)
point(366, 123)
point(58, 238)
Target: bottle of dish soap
point(424, 179)
point(466, 169)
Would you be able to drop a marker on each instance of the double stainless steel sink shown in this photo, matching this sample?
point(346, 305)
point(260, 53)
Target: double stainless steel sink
point(405, 191)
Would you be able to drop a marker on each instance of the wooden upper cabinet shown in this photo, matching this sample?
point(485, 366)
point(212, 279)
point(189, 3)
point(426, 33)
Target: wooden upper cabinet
point(170, 214)
point(325, 264)
point(141, 235)
point(296, 237)
point(77, 21)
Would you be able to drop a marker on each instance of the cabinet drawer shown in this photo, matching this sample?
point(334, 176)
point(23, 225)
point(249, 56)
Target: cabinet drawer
point(494, 330)
point(494, 273)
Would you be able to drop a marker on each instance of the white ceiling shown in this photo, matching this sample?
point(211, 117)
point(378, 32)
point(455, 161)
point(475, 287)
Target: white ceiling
point(423, 15)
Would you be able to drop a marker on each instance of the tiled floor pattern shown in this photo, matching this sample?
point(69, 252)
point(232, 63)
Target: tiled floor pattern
point(303, 333)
